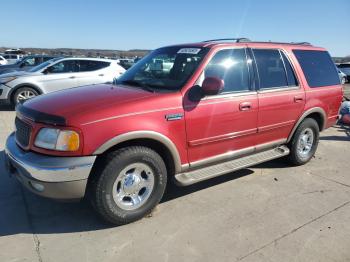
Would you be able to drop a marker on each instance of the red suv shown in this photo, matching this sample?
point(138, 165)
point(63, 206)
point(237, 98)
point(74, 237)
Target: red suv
point(187, 112)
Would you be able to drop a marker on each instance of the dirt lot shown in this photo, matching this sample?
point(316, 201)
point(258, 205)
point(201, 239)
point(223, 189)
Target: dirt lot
point(271, 212)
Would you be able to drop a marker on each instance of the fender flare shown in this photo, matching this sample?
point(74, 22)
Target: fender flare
point(306, 114)
point(143, 135)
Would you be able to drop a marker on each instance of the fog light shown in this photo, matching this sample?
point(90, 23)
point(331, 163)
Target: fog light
point(37, 187)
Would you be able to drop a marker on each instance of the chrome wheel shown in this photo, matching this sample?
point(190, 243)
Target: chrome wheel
point(25, 95)
point(133, 186)
point(305, 143)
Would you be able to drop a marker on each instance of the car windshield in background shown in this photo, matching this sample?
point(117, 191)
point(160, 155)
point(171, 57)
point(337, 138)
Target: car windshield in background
point(166, 68)
point(43, 65)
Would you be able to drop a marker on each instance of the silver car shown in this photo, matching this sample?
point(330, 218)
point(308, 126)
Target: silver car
point(57, 74)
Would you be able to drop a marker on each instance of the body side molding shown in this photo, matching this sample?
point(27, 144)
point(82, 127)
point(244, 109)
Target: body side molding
point(304, 115)
point(140, 135)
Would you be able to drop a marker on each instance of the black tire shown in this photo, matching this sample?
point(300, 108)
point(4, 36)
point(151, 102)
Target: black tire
point(15, 97)
point(296, 157)
point(109, 171)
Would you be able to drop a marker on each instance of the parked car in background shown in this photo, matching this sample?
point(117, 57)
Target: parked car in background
point(342, 76)
point(57, 74)
point(3, 61)
point(345, 68)
point(11, 58)
point(25, 63)
point(216, 107)
point(126, 63)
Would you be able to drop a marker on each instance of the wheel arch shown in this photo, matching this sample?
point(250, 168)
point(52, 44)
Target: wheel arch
point(14, 89)
point(316, 113)
point(154, 140)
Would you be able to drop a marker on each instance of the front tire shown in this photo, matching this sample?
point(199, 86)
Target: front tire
point(304, 142)
point(129, 185)
point(23, 94)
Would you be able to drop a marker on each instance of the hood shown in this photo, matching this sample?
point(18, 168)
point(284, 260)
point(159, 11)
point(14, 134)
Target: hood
point(88, 103)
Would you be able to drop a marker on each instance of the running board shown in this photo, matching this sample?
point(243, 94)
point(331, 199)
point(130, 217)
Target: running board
point(198, 175)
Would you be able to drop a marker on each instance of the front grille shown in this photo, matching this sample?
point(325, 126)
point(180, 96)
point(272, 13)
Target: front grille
point(23, 131)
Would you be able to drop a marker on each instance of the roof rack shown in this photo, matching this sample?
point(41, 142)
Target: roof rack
point(236, 40)
point(245, 40)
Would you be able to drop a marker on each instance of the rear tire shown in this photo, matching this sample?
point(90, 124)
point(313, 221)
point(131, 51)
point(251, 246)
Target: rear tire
point(23, 94)
point(128, 184)
point(304, 142)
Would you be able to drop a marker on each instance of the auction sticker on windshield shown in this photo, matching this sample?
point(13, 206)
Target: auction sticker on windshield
point(192, 51)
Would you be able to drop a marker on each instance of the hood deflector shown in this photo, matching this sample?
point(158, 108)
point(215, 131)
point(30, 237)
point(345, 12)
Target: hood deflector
point(40, 117)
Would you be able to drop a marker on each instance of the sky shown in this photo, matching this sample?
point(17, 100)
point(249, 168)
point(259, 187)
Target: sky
point(137, 24)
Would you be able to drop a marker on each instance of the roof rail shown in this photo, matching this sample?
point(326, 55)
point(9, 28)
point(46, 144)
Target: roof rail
point(285, 43)
point(236, 40)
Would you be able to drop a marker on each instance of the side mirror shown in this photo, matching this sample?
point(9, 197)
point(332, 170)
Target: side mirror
point(212, 85)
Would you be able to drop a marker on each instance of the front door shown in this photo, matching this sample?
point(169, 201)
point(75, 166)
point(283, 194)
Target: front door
point(224, 125)
point(61, 75)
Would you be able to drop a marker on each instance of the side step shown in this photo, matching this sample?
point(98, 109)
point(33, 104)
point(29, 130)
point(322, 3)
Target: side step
point(198, 175)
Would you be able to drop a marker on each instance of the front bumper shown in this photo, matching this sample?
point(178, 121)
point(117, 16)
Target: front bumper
point(48, 176)
point(4, 92)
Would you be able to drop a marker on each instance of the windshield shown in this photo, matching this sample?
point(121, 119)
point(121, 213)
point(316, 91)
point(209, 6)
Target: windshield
point(166, 68)
point(43, 65)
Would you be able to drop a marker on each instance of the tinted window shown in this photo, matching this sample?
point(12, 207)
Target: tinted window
point(318, 67)
point(270, 68)
point(91, 65)
point(68, 66)
point(166, 68)
point(292, 80)
point(231, 66)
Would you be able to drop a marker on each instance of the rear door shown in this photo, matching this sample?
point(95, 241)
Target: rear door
point(223, 125)
point(281, 98)
point(92, 72)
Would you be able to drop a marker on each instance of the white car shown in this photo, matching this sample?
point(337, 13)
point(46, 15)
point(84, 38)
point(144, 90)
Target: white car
point(57, 74)
point(3, 61)
point(12, 59)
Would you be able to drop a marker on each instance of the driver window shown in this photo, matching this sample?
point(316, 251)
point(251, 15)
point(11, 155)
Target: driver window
point(231, 66)
point(63, 67)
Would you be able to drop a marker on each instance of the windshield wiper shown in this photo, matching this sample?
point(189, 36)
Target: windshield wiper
point(138, 84)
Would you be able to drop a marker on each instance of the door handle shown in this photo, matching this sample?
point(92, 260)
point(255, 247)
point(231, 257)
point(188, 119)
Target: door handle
point(298, 99)
point(245, 106)
point(72, 77)
point(101, 75)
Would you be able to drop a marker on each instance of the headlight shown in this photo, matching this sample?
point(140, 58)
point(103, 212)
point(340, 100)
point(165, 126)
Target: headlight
point(6, 79)
point(56, 139)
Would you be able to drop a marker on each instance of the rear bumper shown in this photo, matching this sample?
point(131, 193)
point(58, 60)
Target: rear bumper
point(47, 176)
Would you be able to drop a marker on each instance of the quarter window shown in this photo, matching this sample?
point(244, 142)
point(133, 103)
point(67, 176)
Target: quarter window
point(231, 66)
point(318, 67)
point(272, 73)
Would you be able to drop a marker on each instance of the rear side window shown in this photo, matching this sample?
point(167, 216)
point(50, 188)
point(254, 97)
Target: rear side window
point(292, 80)
point(270, 68)
point(91, 65)
point(318, 68)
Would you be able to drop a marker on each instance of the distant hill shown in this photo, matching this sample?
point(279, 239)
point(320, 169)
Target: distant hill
point(84, 52)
